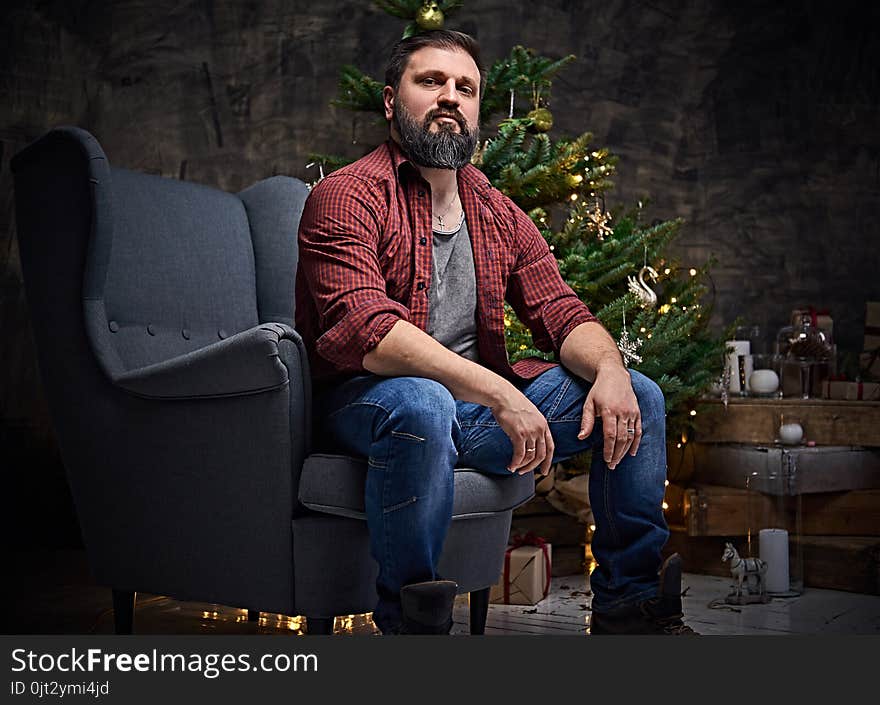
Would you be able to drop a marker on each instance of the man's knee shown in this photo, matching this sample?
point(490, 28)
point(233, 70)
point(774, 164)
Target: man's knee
point(652, 404)
point(421, 406)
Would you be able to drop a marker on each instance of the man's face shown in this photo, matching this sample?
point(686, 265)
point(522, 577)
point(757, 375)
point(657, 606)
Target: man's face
point(435, 112)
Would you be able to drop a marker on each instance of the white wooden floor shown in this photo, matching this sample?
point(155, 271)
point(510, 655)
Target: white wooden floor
point(56, 595)
point(566, 611)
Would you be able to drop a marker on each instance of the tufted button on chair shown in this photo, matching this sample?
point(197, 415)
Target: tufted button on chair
point(180, 396)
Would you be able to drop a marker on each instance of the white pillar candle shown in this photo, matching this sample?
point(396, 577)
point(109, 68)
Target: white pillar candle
point(773, 548)
point(740, 347)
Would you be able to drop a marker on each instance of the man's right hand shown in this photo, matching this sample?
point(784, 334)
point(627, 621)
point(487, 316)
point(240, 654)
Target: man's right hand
point(408, 350)
point(528, 432)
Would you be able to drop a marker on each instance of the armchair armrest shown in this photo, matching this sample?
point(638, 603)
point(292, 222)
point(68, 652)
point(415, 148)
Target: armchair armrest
point(245, 363)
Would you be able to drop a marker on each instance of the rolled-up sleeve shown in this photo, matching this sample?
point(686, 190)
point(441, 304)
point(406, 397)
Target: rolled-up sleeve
point(537, 292)
point(338, 237)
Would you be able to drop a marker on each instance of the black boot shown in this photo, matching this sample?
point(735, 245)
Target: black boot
point(658, 615)
point(427, 607)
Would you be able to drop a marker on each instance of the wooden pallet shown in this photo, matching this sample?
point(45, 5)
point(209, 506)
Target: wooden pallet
point(785, 469)
point(710, 510)
point(850, 563)
point(756, 420)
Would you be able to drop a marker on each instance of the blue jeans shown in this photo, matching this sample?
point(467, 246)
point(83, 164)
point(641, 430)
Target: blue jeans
point(414, 433)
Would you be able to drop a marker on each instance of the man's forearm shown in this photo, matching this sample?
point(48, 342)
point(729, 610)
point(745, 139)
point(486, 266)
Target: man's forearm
point(406, 350)
point(589, 348)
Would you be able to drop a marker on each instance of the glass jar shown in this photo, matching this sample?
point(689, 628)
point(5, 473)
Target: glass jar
point(806, 356)
point(775, 524)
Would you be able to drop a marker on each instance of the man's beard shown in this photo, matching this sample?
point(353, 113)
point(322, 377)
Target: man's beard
point(444, 149)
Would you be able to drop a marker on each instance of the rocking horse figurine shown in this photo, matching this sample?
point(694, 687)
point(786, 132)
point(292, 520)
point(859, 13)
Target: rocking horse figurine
point(748, 572)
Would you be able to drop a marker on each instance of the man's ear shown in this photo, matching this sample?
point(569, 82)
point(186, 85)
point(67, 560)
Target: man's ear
point(388, 100)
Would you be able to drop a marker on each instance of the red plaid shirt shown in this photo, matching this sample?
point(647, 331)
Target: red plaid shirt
point(365, 251)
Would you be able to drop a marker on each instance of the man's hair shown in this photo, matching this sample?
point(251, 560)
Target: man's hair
point(439, 38)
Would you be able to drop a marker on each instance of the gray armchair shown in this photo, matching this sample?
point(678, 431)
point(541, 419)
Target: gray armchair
point(179, 394)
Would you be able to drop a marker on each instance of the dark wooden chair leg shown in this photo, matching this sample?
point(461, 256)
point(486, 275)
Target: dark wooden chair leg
point(253, 615)
point(123, 610)
point(319, 625)
point(479, 609)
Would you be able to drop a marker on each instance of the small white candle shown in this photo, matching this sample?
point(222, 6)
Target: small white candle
point(773, 548)
point(791, 433)
point(763, 382)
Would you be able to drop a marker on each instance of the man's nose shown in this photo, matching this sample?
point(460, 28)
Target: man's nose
point(449, 93)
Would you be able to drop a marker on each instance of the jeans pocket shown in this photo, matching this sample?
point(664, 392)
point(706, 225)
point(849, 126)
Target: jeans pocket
point(400, 505)
point(407, 436)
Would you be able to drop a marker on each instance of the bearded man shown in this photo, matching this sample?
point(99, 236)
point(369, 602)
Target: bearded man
point(406, 258)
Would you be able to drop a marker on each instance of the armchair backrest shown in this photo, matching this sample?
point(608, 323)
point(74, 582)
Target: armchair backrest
point(178, 272)
point(170, 266)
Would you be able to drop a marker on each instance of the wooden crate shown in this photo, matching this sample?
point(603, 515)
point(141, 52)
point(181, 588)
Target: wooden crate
point(711, 510)
point(849, 563)
point(855, 513)
point(755, 420)
point(786, 470)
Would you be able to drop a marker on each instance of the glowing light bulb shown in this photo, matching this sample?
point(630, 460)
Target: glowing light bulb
point(693, 272)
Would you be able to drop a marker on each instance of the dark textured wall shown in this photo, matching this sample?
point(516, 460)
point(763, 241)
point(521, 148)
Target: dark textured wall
point(755, 121)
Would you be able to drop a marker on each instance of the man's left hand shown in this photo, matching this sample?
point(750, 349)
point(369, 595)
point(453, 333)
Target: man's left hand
point(612, 398)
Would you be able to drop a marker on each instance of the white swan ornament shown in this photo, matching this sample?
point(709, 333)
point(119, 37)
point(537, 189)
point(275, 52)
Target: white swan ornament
point(641, 289)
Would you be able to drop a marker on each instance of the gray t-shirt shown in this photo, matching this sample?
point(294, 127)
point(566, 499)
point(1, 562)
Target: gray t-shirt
point(452, 298)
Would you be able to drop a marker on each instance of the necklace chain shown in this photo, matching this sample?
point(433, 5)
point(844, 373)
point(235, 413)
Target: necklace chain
point(443, 231)
point(440, 216)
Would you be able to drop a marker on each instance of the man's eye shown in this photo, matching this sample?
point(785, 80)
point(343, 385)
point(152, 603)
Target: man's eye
point(467, 90)
point(429, 81)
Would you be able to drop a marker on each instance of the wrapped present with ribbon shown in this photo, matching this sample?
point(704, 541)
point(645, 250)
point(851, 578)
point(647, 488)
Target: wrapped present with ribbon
point(870, 357)
point(526, 576)
point(851, 391)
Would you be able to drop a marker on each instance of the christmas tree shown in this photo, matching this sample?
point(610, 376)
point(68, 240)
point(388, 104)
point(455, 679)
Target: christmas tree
point(613, 260)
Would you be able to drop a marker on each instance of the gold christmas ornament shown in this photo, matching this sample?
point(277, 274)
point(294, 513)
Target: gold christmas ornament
point(598, 221)
point(429, 16)
point(542, 119)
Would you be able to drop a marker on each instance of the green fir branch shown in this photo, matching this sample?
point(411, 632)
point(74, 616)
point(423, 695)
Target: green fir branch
point(357, 91)
point(404, 9)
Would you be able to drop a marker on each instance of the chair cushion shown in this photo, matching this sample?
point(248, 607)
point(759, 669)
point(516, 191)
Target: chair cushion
point(335, 484)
